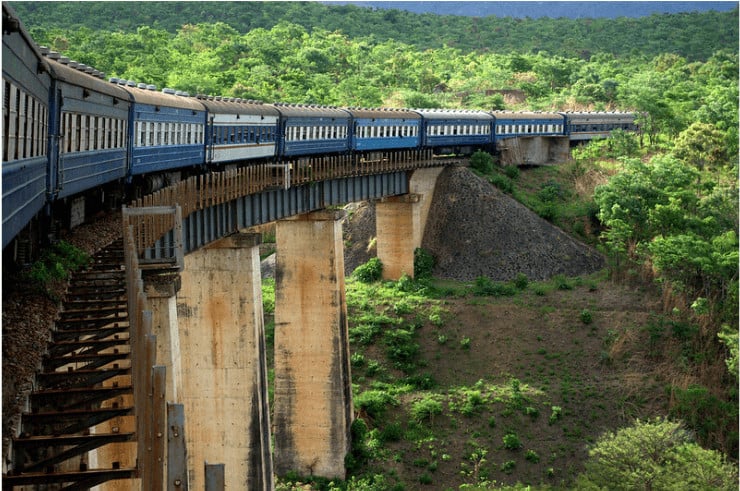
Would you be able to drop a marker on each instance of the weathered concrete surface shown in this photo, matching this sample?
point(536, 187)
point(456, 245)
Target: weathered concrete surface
point(161, 291)
point(313, 396)
point(224, 374)
point(398, 226)
point(533, 150)
point(400, 222)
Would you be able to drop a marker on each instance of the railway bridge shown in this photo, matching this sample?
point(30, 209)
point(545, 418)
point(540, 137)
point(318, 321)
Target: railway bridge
point(197, 414)
point(201, 282)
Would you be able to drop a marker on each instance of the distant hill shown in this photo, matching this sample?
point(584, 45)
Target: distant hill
point(553, 10)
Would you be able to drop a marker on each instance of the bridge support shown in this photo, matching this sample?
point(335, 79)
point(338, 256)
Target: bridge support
point(224, 374)
point(398, 226)
point(161, 290)
point(313, 393)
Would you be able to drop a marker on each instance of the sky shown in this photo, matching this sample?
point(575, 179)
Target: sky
point(554, 9)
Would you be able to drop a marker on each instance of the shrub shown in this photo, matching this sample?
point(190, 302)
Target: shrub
point(424, 262)
point(426, 409)
point(532, 456)
point(656, 454)
point(511, 171)
point(521, 281)
point(502, 182)
point(484, 286)
point(586, 316)
point(482, 162)
point(374, 402)
point(369, 272)
point(557, 413)
point(508, 467)
point(511, 441)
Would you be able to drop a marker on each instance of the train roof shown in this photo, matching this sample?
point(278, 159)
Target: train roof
point(147, 94)
point(382, 113)
point(230, 105)
point(624, 117)
point(516, 115)
point(75, 74)
point(308, 111)
point(454, 114)
point(12, 23)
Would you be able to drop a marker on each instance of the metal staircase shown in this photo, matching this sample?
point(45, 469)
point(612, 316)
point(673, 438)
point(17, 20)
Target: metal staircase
point(83, 397)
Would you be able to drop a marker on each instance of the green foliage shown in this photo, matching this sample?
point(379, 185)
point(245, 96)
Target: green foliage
point(482, 162)
point(56, 263)
point(521, 281)
point(586, 316)
point(657, 454)
point(374, 402)
point(424, 263)
point(425, 409)
point(369, 272)
point(708, 416)
point(729, 336)
point(501, 182)
point(555, 415)
point(532, 456)
point(484, 286)
point(511, 171)
point(512, 441)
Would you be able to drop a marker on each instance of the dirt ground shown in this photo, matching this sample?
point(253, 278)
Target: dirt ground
point(598, 373)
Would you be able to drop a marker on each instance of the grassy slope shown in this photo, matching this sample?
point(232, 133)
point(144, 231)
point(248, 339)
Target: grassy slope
point(460, 388)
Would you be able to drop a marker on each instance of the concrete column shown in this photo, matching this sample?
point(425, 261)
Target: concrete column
point(313, 393)
point(398, 229)
point(161, 290)
point(224, 371)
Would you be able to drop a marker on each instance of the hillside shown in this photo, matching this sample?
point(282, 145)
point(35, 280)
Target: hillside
point(693, 35)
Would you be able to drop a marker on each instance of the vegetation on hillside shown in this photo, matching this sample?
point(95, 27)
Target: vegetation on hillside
point(692, 35)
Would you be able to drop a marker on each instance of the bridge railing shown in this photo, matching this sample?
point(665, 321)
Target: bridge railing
point(157, 222)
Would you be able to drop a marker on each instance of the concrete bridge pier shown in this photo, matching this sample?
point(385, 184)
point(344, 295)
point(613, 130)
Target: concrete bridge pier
point(398, 228)
point(161, 290)
point(313, 393)
point(223, 363)
point(400, 222)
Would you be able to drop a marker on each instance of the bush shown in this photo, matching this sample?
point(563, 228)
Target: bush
point(369, 272)
point(521, 281)
point(657, 454)
point(512, 442)
point(484, 286)
point(374, 402)
point(426, 409)
point(423, 263)
point(586, 316)
point(502, 182)
point(511, 171)
point(482, 162)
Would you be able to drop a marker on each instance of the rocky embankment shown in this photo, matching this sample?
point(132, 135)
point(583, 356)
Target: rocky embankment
point(473, 230)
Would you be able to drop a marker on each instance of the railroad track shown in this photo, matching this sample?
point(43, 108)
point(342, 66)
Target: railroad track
point(83, 397)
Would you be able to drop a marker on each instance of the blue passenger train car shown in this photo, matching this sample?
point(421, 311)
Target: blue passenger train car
point(589, 125)
point(510, 124)
point(167, 130)
point(311, 130)
point(91, 118)
point(26, 83)
point(383, 129)
point(455, 131)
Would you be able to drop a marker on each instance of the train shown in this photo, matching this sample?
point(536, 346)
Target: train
point(72, 136)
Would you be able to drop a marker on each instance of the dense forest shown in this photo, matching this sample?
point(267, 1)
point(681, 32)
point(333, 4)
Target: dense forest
point(668, 212)
point(694, 36)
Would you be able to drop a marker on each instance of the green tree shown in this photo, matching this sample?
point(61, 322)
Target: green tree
point(702, 145)
point(655, 455)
